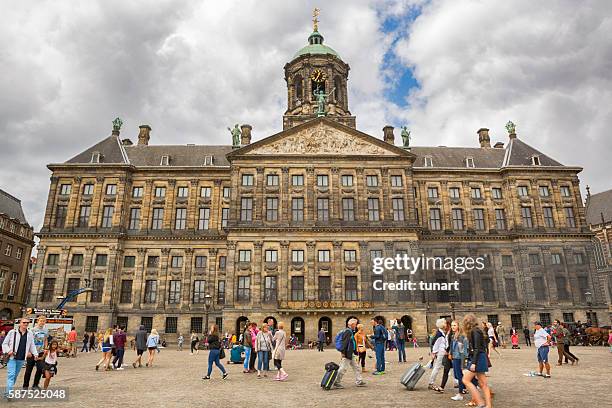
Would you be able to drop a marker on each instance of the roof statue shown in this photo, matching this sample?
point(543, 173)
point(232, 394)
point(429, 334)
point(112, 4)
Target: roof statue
point(321, 100)
point(511, 128)
point(235, 132)
point(315, 19)
point(117, 123)
point(406, 136)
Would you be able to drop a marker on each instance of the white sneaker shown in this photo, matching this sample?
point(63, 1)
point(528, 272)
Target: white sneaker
point(120, 368)
point(457, 397)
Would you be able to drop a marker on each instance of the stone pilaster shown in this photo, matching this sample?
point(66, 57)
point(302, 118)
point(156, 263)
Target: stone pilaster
point(309, 274)
point(337, 271)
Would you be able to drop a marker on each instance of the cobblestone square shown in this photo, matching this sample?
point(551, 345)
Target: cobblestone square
point(175, 381)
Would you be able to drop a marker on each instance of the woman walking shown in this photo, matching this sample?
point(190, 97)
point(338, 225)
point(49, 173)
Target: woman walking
point(458, 354)
point(194, 343)
point(493, 340)
point(363, 343)
point(253, 356)
point(107, 346)
point(263, 346)
point(477, 364)
point(214, 347)
point(85, 343)
point(152, 343)
point(280, 341)
point(438, 353)
point(92, 342)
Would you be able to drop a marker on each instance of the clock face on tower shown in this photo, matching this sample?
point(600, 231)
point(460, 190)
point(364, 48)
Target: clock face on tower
point(317, 76)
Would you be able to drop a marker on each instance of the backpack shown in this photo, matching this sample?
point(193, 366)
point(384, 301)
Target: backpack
point(339, 339)
point(402, 333)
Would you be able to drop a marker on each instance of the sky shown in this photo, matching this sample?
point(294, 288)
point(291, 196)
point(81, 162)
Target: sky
point(190, 69)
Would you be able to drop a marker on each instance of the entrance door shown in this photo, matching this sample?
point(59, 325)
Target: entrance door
point(297, 328)
point(325, 323)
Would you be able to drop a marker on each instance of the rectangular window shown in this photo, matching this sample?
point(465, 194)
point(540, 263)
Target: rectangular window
point(272, 209)
point(398, 209)
point(347, 180)
point(126, 292)
point(224, 217)
point(454, 192)
point(122, 321)
point(203, 218)
point(565, 191)
point(101, 259)
point(91, 324)
point(272, 180)
point(18, 253)
point(526, 217)
point(247, 180)
point(137, 192)
point(324, 288)
point(48, 290)
point(375, 253)
point(182, 192)
point(348, 209)
point(129, 261)
point(271, 255)
point(52, 259)
point(244, 255)
point(496, 192)
point(373, 212)
point(350, 255)
point(544, 191)
point(322, 180)
point(538, 288)
point(396, 181)
point(97, 287)
point(493, 319)
point(297, 209)
point(152, 261)
point(60, 216)
point(568, 317)
point(324, 255)
point(227, 192)
point(205, 192)
point(583, 287)
point(171, 324)
point(65, 189)
point(196, 325)
point(432, 192)
point(516, 320)
point(246, 209)
point(12, 285)
point(534, 259)
point(323, 209)
point(199, 291)
point(556, 259)
point(579, 258)
point(221, 292)
point(435, 221)
point(160, 192)
point(84, 216)
point(350, 288)
point(469, 162)
point(479, 219)
point(107, 216)
point(222, 263)
point(297, 180)
point(176, 262)
point(150, 294)
point(428, 161)
point(476, 193)
point(201, 262)
point(73, 284)
point(134, 219)
point(488, 291)
point(569, 217)
point(562, 292)
point(297, 256)
point(511, 294)
point(180, 222)
point(506, 260)
point(372, 181)
point(548, 217)
point(522, 191)
point(297, 288)
point(457, 214)
point(270, 289)
point(88, 189)
point(442, 296)
point(77, 260)
point(500, 219)
point(158, 218)
point(111, 189)
point(244, 289)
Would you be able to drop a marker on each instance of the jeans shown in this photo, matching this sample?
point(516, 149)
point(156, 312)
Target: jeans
point(29, 366)
point(380, 357)
point(262, 359)
point(118, 360)
point(528, 341)
point(213, 357)
point(85, 347)
point(401, 350)
point(320, 345)
point(350, 362)
point(247, 357)
point(13, 369)
point(458, 372)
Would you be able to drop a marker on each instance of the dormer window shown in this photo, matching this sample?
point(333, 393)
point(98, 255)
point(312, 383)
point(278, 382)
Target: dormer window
point(535, 160)
point(428, 161)
point(95, 157)
point(208, 160)
point(469, 162)
point(165, 161)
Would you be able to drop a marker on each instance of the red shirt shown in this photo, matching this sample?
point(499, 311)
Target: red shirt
point(72, 336)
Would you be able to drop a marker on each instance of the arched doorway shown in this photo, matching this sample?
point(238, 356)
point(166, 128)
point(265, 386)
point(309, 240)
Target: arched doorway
point(325, 323)
point(274, 322)
point(349, 318)
point(407, 322)
point(241, 323)
point(6, 314)
point(384, 321)
point(297, 328)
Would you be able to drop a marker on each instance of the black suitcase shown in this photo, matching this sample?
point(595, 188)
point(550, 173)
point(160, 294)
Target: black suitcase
point(330, 376)
point(411, 377)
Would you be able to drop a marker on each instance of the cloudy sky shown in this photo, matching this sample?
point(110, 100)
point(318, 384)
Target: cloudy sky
point(190, 69)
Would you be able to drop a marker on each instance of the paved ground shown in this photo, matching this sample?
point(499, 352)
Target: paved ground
point(175, 381)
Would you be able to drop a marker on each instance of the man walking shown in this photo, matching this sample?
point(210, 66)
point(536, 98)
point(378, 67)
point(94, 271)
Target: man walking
point(17, 345)
point(71, 338)
point(348, 349)
point(119, 338)
point(321, 339)
point(561, 333)
point(140, 339)
point(380, 338)
point(527, 337)
point(400, 339)
point(40, 334)
point(501, 334)
point(541, 338)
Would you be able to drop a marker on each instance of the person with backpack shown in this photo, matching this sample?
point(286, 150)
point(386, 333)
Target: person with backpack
point(380, 338)
point(345, 344)
point(400, 339)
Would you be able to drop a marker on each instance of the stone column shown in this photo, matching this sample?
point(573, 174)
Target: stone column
point(72, 215)
point(283, 281)
point(185, 302)
point(309, 197)
point(213, 273)
point(163, 279)
point(216, 205)
point(37, 279)
point(170, 205)
point(88, 265)
point(258, 211)
point(366, 271)
point(113, 275)
point(192, 206)
point(361, 197)
point(49, 215)
point(230, 268)
point(386, 208)
point(411, 200)
point(97, 202)
point(139, 278)
point(390, 296)
point(285, 198)
point(235, 197)
point(335, 198)
point(336, 271)
point(310, 272)
point(256, 263)
point(146, 208)
point(61, 273)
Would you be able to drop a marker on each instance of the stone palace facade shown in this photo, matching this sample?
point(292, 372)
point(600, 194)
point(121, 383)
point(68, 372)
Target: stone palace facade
point(287, 226)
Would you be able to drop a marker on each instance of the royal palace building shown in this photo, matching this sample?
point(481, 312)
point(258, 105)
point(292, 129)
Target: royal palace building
point(287, 226)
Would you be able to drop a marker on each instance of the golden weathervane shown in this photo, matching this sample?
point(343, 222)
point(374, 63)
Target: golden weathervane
point(315, 19)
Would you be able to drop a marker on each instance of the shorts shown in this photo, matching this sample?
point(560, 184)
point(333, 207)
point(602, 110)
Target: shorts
point(52, 368)
point(482, 365)
point(278, 363)
point(152, 348)
point(139, 352)
point(543, 354)
point(106, 349)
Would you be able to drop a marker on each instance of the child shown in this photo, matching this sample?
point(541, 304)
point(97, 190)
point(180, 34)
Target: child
point(610, 339)
point(515, 341)
point(415, 343)
point(50, 359)
point(181, 339)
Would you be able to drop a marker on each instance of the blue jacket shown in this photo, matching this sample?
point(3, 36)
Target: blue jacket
point(380, 334)
point(459, 348)
point(348, 343)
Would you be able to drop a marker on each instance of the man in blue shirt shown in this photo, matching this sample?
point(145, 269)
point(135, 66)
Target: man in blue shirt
point(380, 338)
point(40, 341)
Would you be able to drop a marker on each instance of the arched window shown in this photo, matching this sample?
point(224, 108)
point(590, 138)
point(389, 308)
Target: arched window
point(298, 83)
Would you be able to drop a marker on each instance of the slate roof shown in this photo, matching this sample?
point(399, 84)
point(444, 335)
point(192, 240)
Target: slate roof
point(110, 149)
point(455, 156)
point(598, 204)
point(11, 206)
point(520, 154)
point(180, 155)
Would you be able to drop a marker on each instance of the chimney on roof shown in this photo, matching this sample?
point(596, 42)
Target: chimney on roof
point(483, 137)
point(126, 142)
point(245, 134)
point(144, 135)
point(499, 145)
point(388, 135)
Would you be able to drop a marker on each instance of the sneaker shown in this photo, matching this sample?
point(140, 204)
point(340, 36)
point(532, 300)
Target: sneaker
point(206, 377)
point(379, 373)
point(225, 375)
point(360, 384)
point(546, 375)
point(120, 368)
point(338, 386)
point(457, 397)
point(284, 377)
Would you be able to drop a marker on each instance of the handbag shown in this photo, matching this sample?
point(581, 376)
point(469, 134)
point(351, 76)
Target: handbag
point(221, 353)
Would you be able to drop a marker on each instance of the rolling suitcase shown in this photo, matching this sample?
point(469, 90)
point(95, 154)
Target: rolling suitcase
point(329, 378)
point(236, 354)
point(412, 376)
